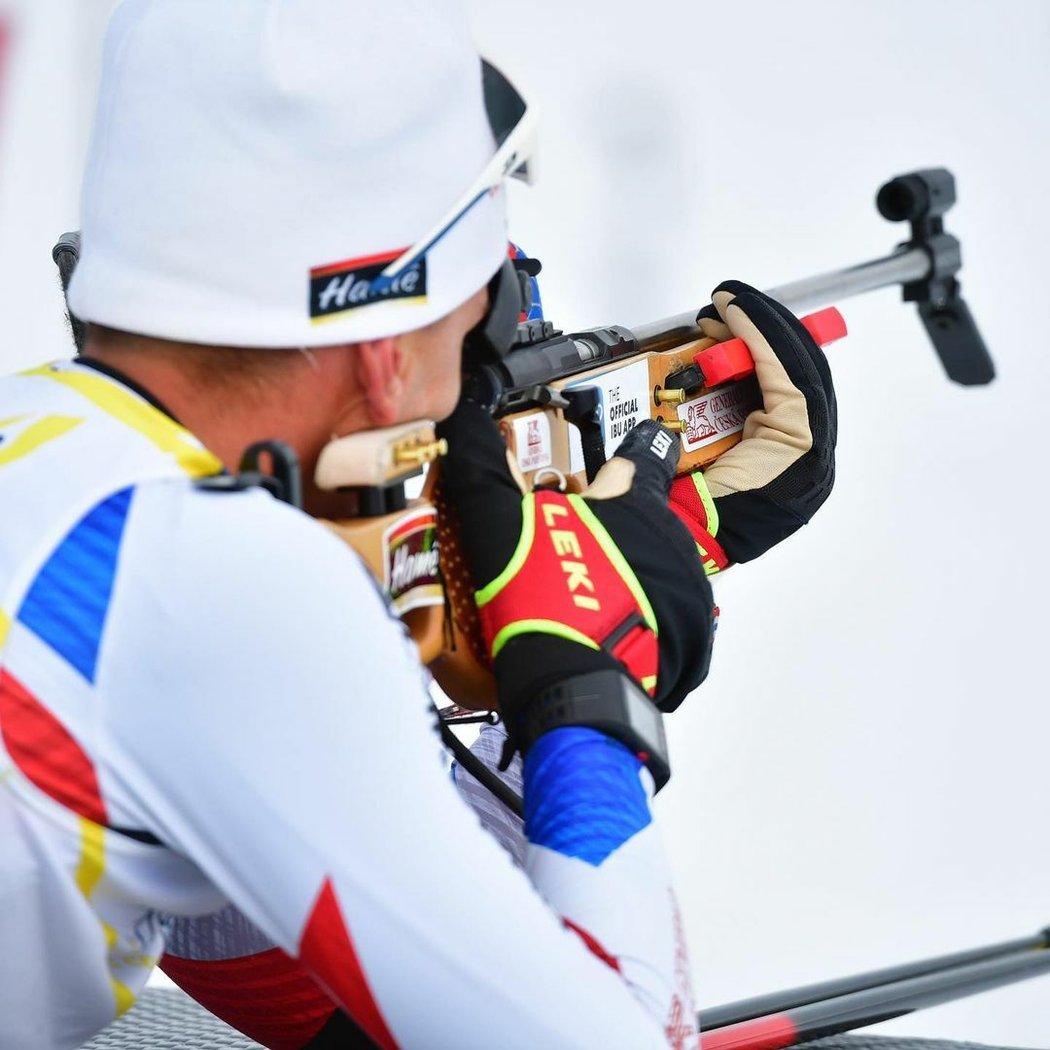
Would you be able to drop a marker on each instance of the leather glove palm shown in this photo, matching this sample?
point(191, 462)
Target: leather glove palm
point(772, 482)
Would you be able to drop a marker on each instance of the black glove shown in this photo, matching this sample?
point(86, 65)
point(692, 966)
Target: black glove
point(771, 483)
point(574, 584)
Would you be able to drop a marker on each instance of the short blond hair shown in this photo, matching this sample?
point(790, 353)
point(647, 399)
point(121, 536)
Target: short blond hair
point(205, 367)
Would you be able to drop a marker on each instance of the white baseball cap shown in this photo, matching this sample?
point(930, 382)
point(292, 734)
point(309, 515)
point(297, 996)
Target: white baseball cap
point(277, 173)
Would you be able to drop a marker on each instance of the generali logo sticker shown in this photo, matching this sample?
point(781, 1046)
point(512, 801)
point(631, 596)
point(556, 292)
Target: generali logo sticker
point(716, 415)
point(411, 575)
point(338, 288)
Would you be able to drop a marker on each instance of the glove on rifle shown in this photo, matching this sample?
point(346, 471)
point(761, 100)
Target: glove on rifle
point(573, 584)
point(772, 482)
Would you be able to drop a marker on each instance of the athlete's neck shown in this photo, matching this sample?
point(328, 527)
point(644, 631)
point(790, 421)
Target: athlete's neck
point(230, 399)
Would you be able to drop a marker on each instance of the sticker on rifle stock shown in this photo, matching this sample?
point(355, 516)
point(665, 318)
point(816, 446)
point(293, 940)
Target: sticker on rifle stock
point(532, 441)
point(718, 414)
point(624, 400)
point(410, 562)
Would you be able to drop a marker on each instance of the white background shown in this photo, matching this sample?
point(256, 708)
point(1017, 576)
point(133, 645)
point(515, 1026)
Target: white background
point(862, 780)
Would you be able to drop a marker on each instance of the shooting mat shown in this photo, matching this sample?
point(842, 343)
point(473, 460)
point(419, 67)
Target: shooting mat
point(167, 1019)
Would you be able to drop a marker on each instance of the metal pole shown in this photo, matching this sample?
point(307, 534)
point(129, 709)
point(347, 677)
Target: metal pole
point(874, 1005)
point(902, 267)
point(778, 1002)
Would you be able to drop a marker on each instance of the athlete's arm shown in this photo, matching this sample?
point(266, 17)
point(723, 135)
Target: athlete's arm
point(229, 966)
point(254, 675)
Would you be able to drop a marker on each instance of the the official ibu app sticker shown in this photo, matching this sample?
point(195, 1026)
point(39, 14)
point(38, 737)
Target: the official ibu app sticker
point(623, 402)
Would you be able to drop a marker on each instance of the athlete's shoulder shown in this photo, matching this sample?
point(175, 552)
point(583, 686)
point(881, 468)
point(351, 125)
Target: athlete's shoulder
point(243, 539)
point(237, 596)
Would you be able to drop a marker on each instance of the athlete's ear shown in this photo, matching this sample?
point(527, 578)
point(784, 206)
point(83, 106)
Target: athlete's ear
point(380, 367)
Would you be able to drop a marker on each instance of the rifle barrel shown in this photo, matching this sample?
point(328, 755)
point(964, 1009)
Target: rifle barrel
point(901, 267)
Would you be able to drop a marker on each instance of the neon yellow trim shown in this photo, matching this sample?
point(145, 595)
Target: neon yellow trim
point(517, 559)
point(700, 483)
point(710, 565)
point(619, 562)
point(141, 416)
point(49, 428)
point(92, 861)
point(560, 630)
point(649, 683)
point(5, 626)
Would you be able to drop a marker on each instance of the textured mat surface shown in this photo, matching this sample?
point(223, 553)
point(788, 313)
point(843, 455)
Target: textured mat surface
point(165, 1019)
point(889, 1042)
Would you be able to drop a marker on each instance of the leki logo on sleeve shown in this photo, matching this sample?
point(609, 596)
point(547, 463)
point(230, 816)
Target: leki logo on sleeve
point(410, 565)
point(339, 288)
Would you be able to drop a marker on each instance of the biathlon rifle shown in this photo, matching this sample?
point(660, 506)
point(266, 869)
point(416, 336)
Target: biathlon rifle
point(564, 402)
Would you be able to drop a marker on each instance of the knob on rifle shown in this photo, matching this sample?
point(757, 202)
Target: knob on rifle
point(920, 196)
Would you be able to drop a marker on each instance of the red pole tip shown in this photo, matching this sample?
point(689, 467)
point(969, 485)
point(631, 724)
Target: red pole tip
point(765, 1033)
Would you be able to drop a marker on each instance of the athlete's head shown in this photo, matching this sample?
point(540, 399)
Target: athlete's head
point(299, 174)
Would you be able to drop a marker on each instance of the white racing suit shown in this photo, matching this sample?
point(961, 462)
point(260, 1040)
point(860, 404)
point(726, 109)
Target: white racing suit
point(205, 702)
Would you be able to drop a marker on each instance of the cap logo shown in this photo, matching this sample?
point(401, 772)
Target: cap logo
point(338, 288)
